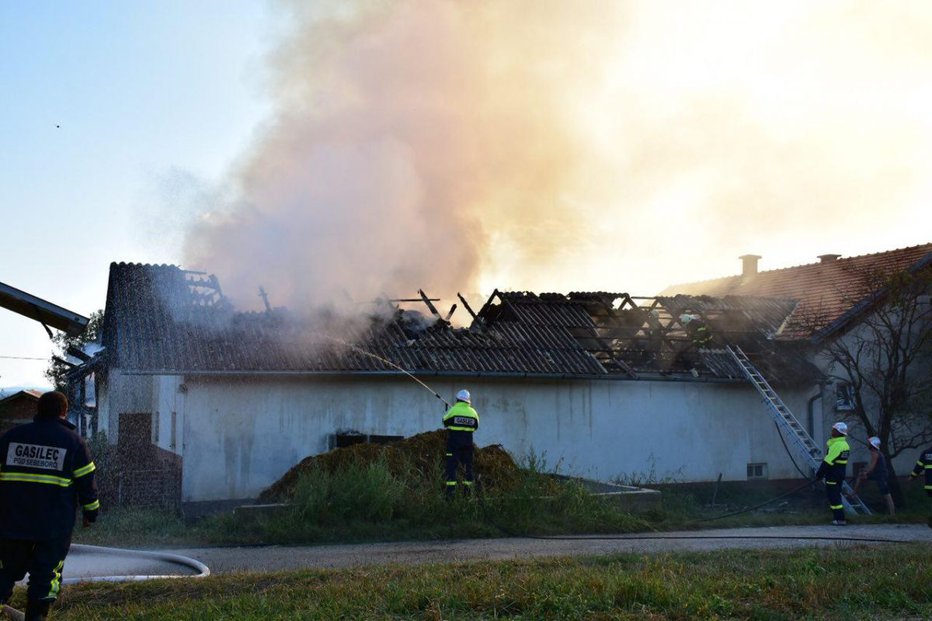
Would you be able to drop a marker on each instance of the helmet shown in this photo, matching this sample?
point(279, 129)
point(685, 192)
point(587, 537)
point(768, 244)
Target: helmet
point(875, 442)
point(463, 395)
point(841, 428)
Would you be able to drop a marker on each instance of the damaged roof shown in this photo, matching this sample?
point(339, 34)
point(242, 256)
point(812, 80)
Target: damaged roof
point(162, 319)
point(827, 291)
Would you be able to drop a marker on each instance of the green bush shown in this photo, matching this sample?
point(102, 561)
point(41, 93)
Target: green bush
point(368, 493)
point(375, 501)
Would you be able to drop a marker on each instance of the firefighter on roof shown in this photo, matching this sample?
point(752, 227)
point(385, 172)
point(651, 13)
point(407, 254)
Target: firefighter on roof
point(697, 330)
point(461, 421)
point(46, 471)
point(833, 469)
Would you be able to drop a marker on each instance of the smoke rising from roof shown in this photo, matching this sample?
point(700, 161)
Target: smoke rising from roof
point(554, 145)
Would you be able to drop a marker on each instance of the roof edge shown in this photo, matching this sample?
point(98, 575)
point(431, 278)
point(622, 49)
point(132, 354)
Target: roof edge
point(864, 304)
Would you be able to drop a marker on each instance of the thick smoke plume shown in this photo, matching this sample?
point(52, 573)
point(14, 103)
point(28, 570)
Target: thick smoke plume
point(551, 145)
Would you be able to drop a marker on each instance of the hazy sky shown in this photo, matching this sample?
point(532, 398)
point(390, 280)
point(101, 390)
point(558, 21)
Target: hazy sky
point(329, 150)
point(104, 107)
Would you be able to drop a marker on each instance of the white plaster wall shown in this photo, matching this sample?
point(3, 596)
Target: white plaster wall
point(168, 411)
point(123, 394)
point(242, 435)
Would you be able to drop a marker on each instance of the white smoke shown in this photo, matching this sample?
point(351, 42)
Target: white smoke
point(549, 145)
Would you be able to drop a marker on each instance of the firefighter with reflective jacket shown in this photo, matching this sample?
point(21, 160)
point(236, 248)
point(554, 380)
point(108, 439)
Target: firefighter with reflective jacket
point(461, 421)
point(924, 463)
point(697, 330)
point(46, 472)
point(833, 469)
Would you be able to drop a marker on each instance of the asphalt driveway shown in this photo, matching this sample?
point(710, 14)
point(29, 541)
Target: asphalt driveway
point(84, 565)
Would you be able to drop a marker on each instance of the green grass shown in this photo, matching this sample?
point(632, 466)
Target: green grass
point(371, 503)
point(890, 582)
point(365, 503)
point(688, 505)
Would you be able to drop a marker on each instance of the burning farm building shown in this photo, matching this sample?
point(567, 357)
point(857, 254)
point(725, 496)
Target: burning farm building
point(228, 401)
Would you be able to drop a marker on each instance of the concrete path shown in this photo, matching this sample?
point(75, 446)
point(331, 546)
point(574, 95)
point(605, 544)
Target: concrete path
point(271, 558)
point(90, 563)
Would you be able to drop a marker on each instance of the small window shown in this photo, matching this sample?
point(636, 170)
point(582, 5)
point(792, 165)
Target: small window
point(757, 471)
point(344, 439)
point(376, 439)
point(89, 396)
point(844, 397)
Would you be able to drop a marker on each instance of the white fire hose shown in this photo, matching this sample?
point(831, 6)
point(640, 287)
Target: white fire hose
point(201, 568)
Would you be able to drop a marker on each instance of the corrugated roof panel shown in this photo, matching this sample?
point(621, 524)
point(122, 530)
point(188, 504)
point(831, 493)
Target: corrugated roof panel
point(158, 317)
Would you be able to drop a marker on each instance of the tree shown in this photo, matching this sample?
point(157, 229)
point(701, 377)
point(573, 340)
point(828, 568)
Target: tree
point(58, 368)
point(885, 356)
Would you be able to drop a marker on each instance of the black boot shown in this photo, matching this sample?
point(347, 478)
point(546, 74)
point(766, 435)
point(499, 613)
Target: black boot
point(37, 610)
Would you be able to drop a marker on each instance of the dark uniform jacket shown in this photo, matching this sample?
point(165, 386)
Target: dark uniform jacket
point(924, 463)
point(45, 471)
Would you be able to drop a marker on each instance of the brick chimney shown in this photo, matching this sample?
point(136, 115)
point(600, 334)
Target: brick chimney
point(828, 258)
point(749, 264)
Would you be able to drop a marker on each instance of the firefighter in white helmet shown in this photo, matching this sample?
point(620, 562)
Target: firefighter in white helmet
point(833, 469)
point(877, 470)
point(461, 421)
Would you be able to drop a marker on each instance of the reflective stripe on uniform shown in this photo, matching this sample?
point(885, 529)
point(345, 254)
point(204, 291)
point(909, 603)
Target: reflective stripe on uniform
point(24, 477)
point(835, 507)
point(55, 587)
point(80, 472)
point(831, 483)
point(451, 483)
point(91, 506)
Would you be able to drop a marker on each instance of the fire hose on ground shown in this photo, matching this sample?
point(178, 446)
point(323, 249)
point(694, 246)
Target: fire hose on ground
point(202, 570)
point(164, 557)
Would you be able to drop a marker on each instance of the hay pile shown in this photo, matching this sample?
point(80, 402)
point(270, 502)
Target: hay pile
point(422, 455)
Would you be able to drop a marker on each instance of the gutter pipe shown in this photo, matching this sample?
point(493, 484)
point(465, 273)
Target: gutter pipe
point(810, 412)
point(451, 374)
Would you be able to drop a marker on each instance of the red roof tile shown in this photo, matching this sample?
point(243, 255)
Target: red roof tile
point(825, 291)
